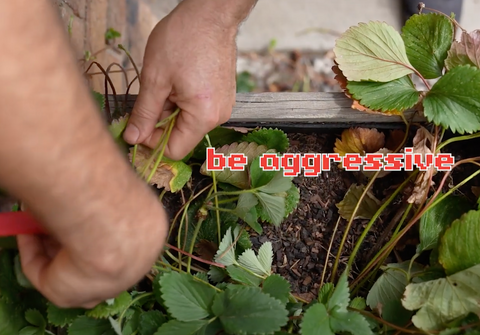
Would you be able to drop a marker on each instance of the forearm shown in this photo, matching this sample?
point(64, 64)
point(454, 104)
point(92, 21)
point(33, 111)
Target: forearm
point(55, 152)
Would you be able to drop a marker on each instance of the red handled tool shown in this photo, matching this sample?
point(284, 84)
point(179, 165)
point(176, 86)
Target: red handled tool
point(19, 223)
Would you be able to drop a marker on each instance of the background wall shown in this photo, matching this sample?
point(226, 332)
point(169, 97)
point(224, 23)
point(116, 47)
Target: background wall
point(281, 20)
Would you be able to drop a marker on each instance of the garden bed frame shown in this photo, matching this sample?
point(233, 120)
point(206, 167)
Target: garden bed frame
point(294, 110)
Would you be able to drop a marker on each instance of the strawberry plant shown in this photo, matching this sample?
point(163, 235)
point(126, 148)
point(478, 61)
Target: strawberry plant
point(210, 279)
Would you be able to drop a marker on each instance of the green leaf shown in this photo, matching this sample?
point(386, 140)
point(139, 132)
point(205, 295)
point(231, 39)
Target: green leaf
point(186, 299)
point(265, 257)
point(245, 82)
point(132, 321)
point(247, 310)
point(390, 285)
point(84, 325)
point(217, 275)
point(246, 210)
point(258, 176)
point(291, 200)
point(325, 293)
point(35, 318)
point(277, 287)
point(278, 184)
point(175, 327)
point(21, 278)
point(226, 251)
point(443, 300)
point(394, 96)
point(340, 297)
point(465, 52)
point(11, 320)
point(104, 310)
point(358, 303)
point(99, 100)
point(112, 34)
point(242, 276)
point(456, 256)
point(316, 321)
point(250, 261)
point(367, 209)
point(150, 321)
point(274, 207)
point(351, 322)
point(454, 100)
point(29, 330)
point(428, 38)
point(394, 312)
point(271, 138)
point(379, 49)
point(434, 222)
point(239, 179)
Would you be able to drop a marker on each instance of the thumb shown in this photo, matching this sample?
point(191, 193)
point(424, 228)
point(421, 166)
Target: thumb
point(146, 113)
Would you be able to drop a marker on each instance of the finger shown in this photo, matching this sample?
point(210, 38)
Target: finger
point(33, 258)
point(146, 111)
point(190, 128)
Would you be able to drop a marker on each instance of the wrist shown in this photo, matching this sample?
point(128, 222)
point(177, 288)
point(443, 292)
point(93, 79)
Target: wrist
point(226, 14)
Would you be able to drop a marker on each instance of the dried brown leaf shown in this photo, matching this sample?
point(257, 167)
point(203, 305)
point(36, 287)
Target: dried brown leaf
point(359, 140)
point(367, 209)
point(467, 51)
point(421, 144)
point(206, 249)
point(476, 191)
point(394, 139)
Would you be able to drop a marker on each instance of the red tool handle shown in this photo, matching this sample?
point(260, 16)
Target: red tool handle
point(19, 223)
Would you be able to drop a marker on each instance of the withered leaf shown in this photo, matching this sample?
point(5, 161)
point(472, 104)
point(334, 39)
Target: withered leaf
point(171, 175)
point(465, 52)
point(206, 249)
point(394, 139)
point(421, 144)
point(359, 140)
point(383, 173)
point(236, 178)
point(367, 209)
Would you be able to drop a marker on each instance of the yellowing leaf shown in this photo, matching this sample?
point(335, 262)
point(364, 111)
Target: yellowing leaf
point(367, 209)
point(467, 51)
point(372, 51)
point(443, 300)
point(359, 140)
point(171, 175)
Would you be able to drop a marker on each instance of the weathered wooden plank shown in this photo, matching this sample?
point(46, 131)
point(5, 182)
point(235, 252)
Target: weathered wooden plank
point(310, 109)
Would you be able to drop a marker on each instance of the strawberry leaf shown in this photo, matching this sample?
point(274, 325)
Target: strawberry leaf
point(104, 310)
point(454, 100)
point(271, 138)
point(379, 49)
point(428, 38)
point(397, 95)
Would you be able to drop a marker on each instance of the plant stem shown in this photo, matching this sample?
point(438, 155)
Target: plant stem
point(195, 257)
point(134, 155)
point(456, 139)
point(168, 118)
point(131, 60)
point(390, 245)
point(216, 197)
point(324, 271)
point(347, 230)
point(194, 238)
point(141, 296)
point(374, 218)
point(159, 158)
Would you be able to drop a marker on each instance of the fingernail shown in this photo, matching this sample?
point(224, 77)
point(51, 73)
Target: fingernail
point(131, 134)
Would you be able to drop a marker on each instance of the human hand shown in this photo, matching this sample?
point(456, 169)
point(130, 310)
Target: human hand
point(98, 262)
point(190, 62)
